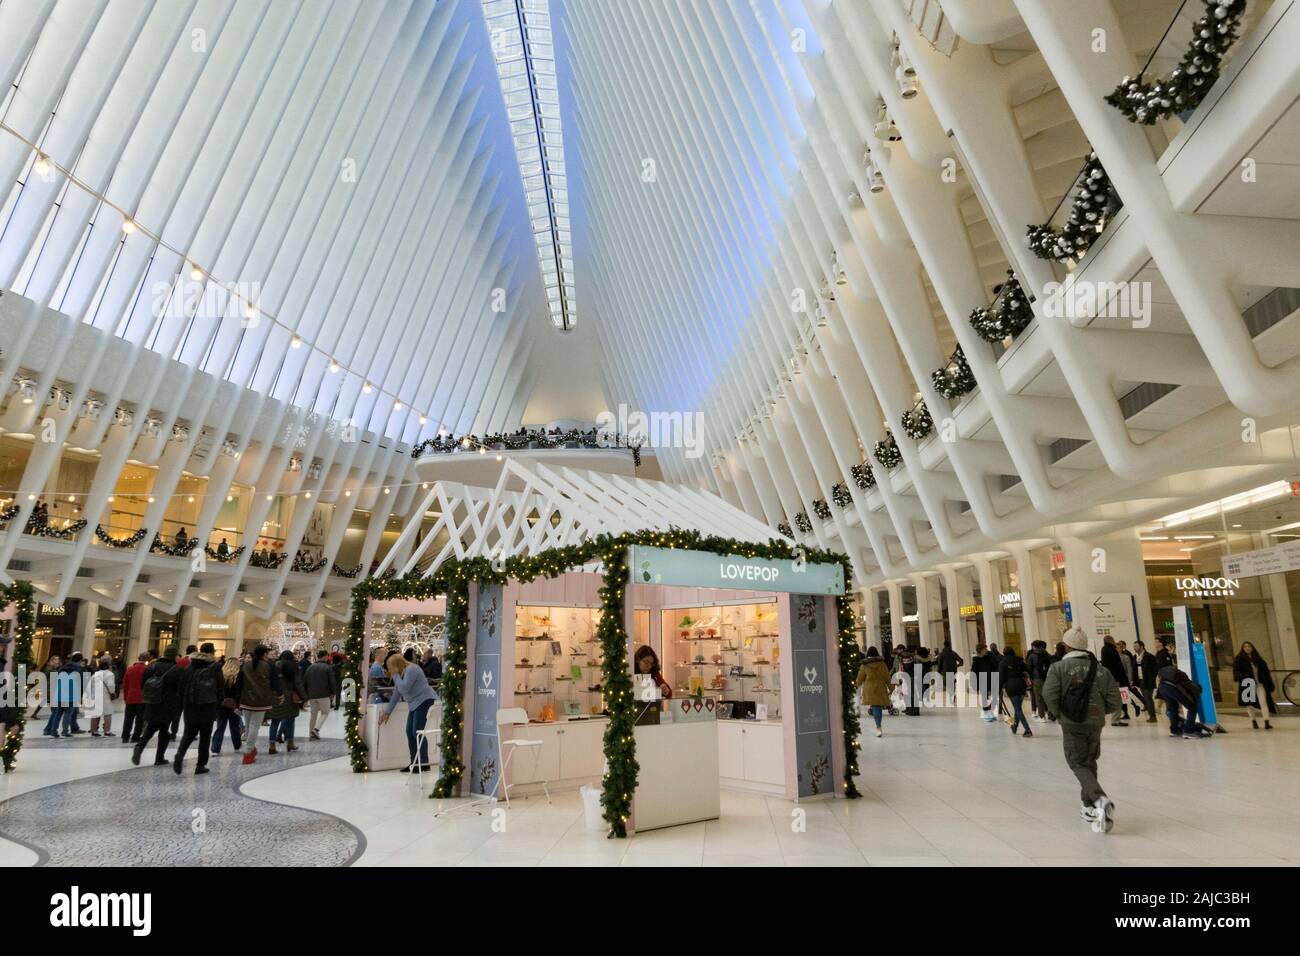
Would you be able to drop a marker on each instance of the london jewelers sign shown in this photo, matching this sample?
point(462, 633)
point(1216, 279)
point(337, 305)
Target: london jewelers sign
point(700, 569)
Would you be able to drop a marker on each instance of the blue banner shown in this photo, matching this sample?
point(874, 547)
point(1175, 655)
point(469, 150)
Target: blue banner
point(486, 689)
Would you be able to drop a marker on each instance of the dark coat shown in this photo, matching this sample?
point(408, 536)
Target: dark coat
point(949, 660)
point(1242, 672)
point(320, 681)
point(1037, 662)
point(1110, 660)
point(1011, 675)
point(197, 713)
point(291, 683)
point(1147, 666)
point(169, 708)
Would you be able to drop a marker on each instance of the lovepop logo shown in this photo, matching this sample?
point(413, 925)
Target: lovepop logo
point(487, 690)
point(810, 685)
point(75, 909)
point(655, 430)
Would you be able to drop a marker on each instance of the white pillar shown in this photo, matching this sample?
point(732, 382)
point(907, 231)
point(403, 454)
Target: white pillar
point(137, 637)
point(897, 633)
point(1108, 564)
point(84, 629)
point(1028, 594)
point(989, 591)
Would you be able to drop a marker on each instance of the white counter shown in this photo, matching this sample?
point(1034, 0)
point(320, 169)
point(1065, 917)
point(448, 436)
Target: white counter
point(678, 779)
point(572, 753)
point(751, 756)
point(386, 747)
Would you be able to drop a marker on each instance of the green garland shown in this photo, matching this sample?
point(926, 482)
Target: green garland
point(1212, 37)
point(1089, 212)
point(20, 595)
point(1008, 316)
point(917, 421)
point(453, 579)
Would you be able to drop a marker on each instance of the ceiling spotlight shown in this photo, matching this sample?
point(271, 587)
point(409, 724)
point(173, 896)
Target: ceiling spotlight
point(307, 494)
point(151, 499)
point(397, 405)
point(482, 450)
point(230, 497)
point(334, 366)
point(501, 457)
point(42, 165)
point(268, 497)
point(128, 226)
point(366, 388)
point(27, 389)
point(295, 343)
point(190, 499)
point(31, 497)
point(876, 178)
point(385, 491)
point(854, 198)
point(250, 311)
point(196, 273)
point(72, 498)
point(837, 270)
point(908, 84)
point(887, 130)
point(347, 493)
point(424, 420)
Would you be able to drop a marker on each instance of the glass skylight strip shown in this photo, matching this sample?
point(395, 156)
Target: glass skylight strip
point(520, 31)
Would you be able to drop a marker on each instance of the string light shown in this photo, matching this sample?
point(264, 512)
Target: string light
point(128, 226)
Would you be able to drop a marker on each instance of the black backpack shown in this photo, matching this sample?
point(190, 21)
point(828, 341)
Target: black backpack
point(1077, 696)
point(205, 685)
point(151, 692)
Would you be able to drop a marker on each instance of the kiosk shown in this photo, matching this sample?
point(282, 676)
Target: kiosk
point(748, 647)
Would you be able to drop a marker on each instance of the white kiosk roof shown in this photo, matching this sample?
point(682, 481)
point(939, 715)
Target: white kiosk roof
point(534, 508)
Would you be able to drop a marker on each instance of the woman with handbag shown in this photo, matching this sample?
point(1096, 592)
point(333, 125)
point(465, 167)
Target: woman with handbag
point(228, 712)
point(285, 712)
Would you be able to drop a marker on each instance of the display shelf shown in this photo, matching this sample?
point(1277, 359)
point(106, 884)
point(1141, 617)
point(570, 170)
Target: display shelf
point(743, 641)
point(570, 648)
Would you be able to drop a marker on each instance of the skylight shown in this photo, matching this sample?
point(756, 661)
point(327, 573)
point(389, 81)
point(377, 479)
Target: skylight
point(525, 59)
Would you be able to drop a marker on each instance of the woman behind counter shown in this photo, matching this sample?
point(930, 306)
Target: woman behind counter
point(647, 662)
point(410, 685)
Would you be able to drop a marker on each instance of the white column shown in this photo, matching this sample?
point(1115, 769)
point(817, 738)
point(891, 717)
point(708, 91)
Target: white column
point(897, 633)
point(1028, 594)
point(989, 600)
point(1108, 564)
point(84, 629)
point(137, 638)
point(871, 608)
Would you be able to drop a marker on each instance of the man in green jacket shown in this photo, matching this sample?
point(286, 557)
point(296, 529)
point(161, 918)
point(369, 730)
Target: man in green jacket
point(1082, 739)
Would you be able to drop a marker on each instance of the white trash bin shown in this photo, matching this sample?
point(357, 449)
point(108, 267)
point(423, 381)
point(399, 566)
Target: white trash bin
point(592, 808)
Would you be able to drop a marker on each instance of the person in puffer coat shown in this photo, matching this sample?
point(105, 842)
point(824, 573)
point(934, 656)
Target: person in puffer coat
point(1082, 738)
point(873, 679)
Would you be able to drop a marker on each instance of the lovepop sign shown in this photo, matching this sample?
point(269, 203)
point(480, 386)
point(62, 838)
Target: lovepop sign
point(700, 569)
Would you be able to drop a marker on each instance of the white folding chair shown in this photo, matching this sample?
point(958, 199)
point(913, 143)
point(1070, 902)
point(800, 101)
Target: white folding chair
point(515, 717)
point(428, 738)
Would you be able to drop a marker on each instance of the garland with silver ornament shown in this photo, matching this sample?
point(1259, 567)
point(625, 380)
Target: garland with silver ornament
point(130, 541)
point(9, 513)
point(305, 565)
point(863, 476)
point(1006, 318)
point(267, 560)
point(1086, 222)
point(821, 509)
point(917, 421)
point(232, 554)
point(785, 530)
point(42, 528)
point(341, 572)
point(524, 438)
point(887, 452)
point(1185, 87)
point(956, 378)
point(841, 495)
point(802, 522)
point(182, 550)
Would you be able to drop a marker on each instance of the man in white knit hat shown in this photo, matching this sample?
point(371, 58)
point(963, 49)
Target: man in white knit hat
point(1080, 694)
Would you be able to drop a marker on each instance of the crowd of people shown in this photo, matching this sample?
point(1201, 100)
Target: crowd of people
point(215, 697)
point(1069, 686)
